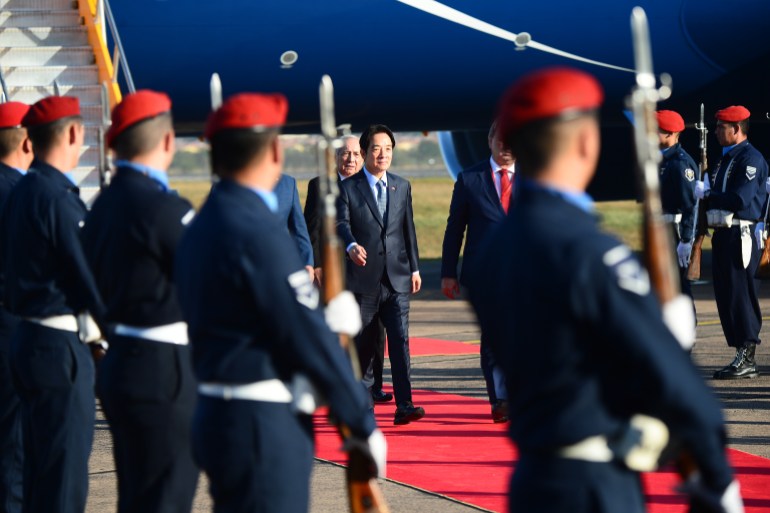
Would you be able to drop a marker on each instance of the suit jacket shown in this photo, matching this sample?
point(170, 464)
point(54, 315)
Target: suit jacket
point(391, 246)
point(314, 218)
point(290, 212)
point(476, 206)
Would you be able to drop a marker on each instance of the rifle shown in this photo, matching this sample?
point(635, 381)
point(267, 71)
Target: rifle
point(658, 253)
point(700, 229)
point(363, 491)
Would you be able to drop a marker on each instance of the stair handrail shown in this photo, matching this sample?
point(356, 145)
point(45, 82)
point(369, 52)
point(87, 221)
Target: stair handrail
point(4, 95)
point(119, 51)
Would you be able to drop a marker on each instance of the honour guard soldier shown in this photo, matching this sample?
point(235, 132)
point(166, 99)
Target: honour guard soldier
point(735, 198)
point(15, 157)
point(145, 381)
point(677, 189)
point(584, 310)
point(50, 287)
point(256, 328)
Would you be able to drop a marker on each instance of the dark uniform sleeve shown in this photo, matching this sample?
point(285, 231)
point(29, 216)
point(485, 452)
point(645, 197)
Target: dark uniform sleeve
point(644, 368)
point(171, 221)
point(307, 342)
point(686, 172)
point(67, 218)
point(456, 224)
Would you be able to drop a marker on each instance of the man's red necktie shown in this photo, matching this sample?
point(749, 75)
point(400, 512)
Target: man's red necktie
point(505, 189)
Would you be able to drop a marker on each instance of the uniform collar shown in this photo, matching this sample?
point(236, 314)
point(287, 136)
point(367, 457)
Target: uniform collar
point(581, 200)
point(728, 149)
point(159, 176)
point(21, 172)
point(670, 152)
point(58, 177)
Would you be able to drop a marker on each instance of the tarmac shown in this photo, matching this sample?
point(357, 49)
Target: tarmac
point(746, 402)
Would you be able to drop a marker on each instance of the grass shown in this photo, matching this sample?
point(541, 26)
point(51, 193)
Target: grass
point(431, 197)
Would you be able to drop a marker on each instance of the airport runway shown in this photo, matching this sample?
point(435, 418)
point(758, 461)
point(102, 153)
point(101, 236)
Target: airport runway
point(746, 402)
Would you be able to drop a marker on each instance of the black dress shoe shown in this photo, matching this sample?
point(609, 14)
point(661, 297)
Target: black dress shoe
point(378, 396)
point(743, 365)
point(500, 411)
point(406, 413)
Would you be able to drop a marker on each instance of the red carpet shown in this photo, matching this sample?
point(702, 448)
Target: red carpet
point(457, 451)
point(435, 347)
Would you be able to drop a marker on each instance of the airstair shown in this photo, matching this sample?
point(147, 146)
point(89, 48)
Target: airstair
point(60, 47)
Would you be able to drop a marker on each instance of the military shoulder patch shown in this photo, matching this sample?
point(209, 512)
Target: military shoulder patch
point(629, 272)
point(304, 290)
point(689, 174)
point(751, 172)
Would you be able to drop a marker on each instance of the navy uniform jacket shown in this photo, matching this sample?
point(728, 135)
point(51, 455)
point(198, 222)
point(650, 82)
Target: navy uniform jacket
point(584, 310)
point(251, 309)
point(475, 205)
point(678, 173)
point(130, 238)
point(45, 267)
point(738, 185)
point(290, 211)
point(390, 247)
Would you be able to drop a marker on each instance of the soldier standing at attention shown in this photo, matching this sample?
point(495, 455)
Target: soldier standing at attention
point(584, 309)
point(734, 200)
point(145, 381)
point(677, 189)
point(15, 157)
point(50, 287)
point(256, 328)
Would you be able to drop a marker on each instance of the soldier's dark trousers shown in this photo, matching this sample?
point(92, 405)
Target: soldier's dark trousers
point(549, 484)
point(11, 450)
point(735, 288)
point(55, 377)
point(257, 455)
point(148, 393)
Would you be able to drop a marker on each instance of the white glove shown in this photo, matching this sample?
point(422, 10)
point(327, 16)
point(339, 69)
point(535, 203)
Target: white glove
point(767, 186)
point(729, 502)
point(760, 235)
point(680, 319)
point(702, 187)
point(379, 448)
point(374, 452)
point(343, 315)
point(683, 251)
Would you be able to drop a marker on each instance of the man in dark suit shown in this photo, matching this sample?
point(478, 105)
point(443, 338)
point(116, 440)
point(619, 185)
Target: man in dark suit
point(349, 162)
point(480, 200)
point(15, 157)
point(290, 211)
point(376, 225)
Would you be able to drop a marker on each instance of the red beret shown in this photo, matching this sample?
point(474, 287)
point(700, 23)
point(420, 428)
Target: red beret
point(51, 109)
point(248, 111)
point(547, 93)
point(134, 108)
point(733, 114)
point(670, 121)
point(11, 114)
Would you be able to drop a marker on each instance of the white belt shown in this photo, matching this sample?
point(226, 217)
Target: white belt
point(593, 448)
point(57, 322)
point(175, 333)
point(270, 391)
point(672, 218)
point(300, 393)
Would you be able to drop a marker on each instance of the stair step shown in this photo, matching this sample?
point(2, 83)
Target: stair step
point(38, 4)
point(34, 36)
point(40, 18)
point(48, 55)
point(36, 75)
point(87, 94)
point(89, 156)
